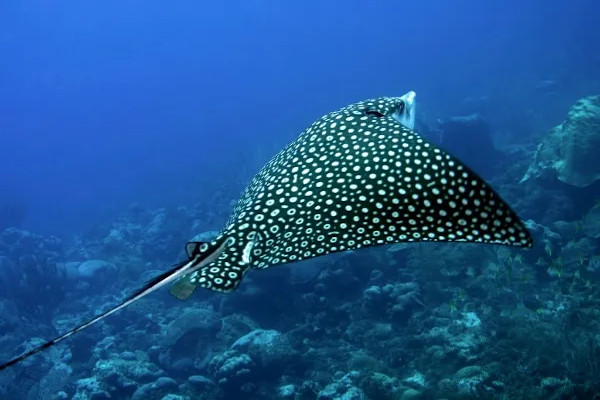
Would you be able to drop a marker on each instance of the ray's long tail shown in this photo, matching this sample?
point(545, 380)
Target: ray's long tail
point(184, 268)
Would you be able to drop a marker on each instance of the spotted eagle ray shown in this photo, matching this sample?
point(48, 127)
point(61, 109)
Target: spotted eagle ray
point(357, 177)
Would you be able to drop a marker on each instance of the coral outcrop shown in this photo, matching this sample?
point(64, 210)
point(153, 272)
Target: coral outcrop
point(569, 151)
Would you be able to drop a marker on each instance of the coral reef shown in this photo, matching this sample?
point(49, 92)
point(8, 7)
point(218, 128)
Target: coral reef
point(408, 321)
point(569, 151)
point(30, 275)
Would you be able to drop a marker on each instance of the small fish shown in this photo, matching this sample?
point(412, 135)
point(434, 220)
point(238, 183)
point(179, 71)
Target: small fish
point(357, 177)
point(548, 86)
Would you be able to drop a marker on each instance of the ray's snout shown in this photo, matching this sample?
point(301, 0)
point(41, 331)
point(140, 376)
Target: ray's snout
point(405, 114)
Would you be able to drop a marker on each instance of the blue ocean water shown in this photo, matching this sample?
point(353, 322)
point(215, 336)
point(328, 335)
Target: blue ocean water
point(126, 128)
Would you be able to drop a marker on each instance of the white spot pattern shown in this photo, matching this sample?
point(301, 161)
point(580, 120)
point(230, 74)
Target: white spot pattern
point(329, 191)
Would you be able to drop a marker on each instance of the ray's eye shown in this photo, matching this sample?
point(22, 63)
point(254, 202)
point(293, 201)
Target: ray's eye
point(374, 113)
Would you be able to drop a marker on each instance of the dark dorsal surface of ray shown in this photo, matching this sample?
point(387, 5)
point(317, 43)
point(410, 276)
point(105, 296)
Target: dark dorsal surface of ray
point(355, 178)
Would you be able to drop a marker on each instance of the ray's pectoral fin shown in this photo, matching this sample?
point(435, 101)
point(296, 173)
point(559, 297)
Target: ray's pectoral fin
point(219, 278)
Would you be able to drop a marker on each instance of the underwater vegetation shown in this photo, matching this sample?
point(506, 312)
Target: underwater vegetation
point(406, 321)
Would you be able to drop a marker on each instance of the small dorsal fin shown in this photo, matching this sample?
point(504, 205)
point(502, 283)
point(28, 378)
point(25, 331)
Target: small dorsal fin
point(193, 248)
point(205, 239)
point(184, 288)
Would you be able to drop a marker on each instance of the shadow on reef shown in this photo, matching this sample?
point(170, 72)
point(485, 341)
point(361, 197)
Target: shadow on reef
point(469, 138)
